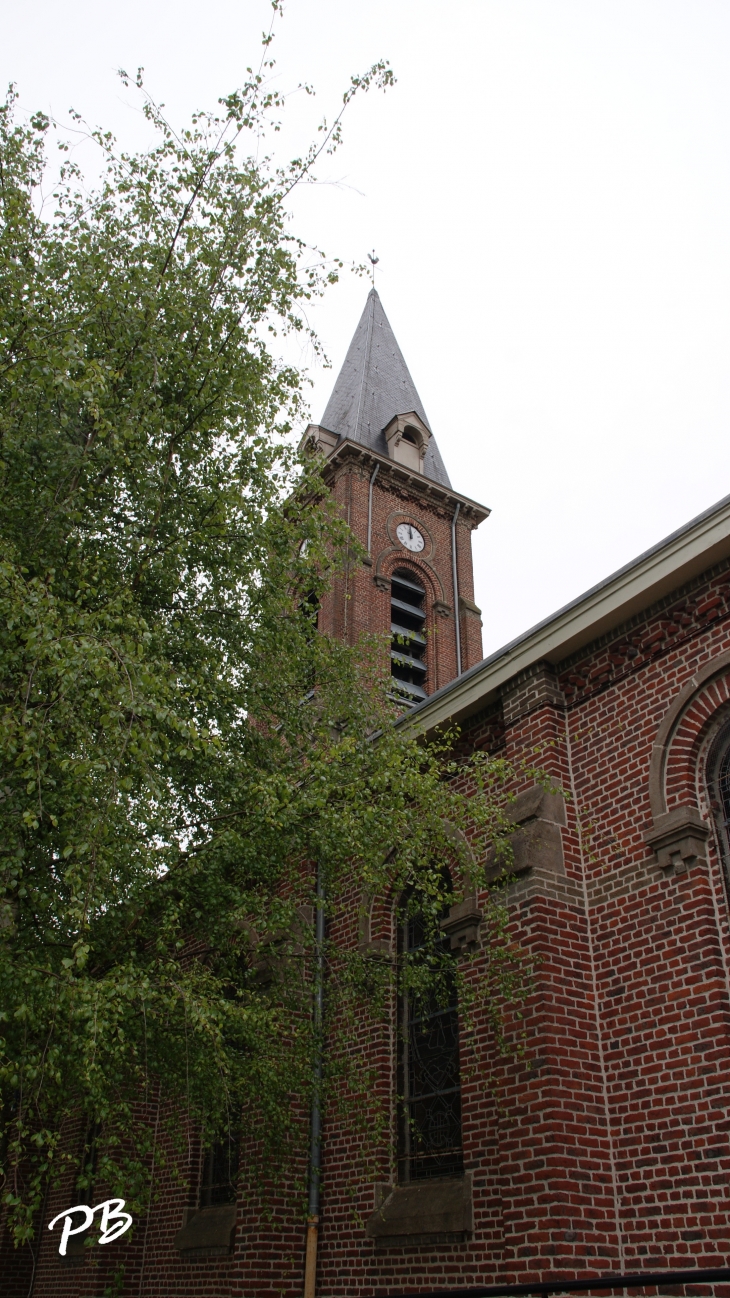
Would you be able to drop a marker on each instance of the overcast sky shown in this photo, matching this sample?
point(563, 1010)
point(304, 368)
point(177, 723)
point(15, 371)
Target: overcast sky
point(548, 190)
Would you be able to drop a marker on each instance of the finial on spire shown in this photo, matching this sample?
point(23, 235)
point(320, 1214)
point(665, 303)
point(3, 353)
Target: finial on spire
point(373, 262)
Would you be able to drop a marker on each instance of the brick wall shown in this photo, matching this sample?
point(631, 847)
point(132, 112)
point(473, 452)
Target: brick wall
point(605, 1145)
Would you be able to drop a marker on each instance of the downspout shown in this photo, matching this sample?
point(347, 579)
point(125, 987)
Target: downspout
point(370, 505)
point(456, 589)
point(315, 1129)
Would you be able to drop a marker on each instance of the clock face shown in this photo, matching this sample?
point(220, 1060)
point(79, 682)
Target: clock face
point(410, 537)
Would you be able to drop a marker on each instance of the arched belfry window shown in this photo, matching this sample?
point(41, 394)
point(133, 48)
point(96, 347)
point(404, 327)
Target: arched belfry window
point(429, 1081)
point(407, 627)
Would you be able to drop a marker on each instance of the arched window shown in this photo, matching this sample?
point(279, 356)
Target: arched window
point(429, 1082)
point(408, 646)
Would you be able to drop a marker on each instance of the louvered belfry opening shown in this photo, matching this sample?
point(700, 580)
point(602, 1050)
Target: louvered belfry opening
point(407, 626)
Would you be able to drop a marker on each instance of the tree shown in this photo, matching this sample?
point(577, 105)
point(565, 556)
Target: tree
point(178, 744)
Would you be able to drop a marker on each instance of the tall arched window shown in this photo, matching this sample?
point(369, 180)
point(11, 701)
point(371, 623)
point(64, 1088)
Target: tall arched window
point(407, 626)
point(429, 1083)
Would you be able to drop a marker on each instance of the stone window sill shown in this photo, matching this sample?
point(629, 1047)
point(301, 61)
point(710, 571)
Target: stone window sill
point(423, 1213)
point(207, 1232)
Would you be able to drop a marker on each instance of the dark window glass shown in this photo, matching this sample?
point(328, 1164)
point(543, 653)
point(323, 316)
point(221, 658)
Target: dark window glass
point(220, 1173)
point(718, 781)
point(429, 1080)
point(89, 1158)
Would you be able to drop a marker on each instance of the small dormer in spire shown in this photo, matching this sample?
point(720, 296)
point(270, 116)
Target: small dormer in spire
point(375, 402)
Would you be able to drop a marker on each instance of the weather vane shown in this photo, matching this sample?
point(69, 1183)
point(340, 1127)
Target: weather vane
point(373, 262)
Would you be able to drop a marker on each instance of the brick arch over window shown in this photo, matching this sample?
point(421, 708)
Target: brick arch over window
point(673, 772)
point(684, 771)
point(394, 557)
point(421, 570)
point(464, 919)
point(680, 830)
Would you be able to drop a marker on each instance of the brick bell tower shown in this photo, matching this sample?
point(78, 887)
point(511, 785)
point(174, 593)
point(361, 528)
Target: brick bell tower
point(383, 466)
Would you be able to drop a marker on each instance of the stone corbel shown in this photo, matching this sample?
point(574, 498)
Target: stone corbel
point(382, 583)
point(536, 840)
point(267, 956)
point(441, 608)
point(461, 926)
point(377, 948)
point(678, 839)
point(468, 606)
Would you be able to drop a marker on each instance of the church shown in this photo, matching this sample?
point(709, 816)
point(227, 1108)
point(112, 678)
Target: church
point(603, 1148)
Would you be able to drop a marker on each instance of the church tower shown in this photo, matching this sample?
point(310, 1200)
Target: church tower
point(384, 468)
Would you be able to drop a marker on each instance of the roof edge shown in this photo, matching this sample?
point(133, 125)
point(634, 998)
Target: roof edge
point(692, 549)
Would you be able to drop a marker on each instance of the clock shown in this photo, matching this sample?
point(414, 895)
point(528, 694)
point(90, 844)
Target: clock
point(410, 537)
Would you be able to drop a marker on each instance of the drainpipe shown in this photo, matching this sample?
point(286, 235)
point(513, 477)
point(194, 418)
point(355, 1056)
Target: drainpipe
point(315, 1138)
point(370, 505)
point(456, 589)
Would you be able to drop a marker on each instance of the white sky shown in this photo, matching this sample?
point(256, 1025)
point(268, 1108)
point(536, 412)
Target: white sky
point(548, 190)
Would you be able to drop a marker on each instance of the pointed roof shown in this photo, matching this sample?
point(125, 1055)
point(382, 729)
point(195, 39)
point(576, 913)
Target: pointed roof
point(373, 387)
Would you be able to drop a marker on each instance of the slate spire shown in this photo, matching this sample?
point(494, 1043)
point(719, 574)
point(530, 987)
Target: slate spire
point(373, 386)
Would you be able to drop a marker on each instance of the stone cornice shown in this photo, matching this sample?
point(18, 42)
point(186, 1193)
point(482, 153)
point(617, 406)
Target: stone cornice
point(401, 478)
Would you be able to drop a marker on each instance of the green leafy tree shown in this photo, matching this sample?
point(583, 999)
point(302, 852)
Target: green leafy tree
point(178, 744)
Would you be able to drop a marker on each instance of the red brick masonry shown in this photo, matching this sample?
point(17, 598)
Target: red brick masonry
point(605, 1147)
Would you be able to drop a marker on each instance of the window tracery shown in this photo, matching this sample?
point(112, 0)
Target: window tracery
point(429, 1080)
point(718, 780)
